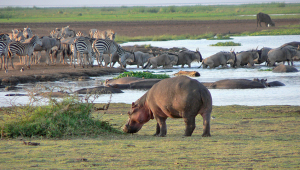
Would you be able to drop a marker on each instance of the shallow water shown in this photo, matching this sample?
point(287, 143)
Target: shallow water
point(286, 95)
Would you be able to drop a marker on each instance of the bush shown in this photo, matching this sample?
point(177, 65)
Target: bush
point(229, 43)
point(70, 117)
point(140, 74)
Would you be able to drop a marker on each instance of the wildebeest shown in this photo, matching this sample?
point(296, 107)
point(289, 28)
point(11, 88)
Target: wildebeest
point(167, 60)
point(187, 57)
point(293, 43)
point(139, 58)
point(47, 44)
point(67, 32)
point(178, 97)
point(282, 54)
point(263, 55)
point(262, 17)
point(220, 58)
point(106, 59)
point(246, 58)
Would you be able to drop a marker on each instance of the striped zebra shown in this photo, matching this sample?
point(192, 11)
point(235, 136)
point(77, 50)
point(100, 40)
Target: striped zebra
point(81, 34)
point(3, 51)
point(110, 34)
point(17, 35)
point(27, 33)
point(83, 45)
point(110, 47)
point(100, 34)
point(4, 36)
point(23, 49)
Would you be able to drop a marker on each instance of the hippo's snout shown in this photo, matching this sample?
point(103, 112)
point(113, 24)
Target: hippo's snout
point(130, 129)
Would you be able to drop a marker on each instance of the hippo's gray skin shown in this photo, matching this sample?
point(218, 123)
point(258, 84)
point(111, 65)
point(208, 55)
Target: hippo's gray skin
point(131, 83)
point(234, 84)
point(284, 69)
point(178, 97)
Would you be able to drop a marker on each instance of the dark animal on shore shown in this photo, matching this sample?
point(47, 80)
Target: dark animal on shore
point(263, 55)
point(187, 57)
point(246, 58)
point(262, 17)
point(220, 58)
point(282, 54)
point(178, 97)
point(284, 69)
point(234, 84)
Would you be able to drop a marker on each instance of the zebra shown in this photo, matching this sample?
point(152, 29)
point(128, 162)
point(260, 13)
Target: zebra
point(56, 33)
point(83, 45)
point(100, 34)
point(80, 34)
point(102, 46)
point(4, 36)
point(3, 51)
point(110, 34)
point(27, 33)
point(23, 49)
point(17, 35)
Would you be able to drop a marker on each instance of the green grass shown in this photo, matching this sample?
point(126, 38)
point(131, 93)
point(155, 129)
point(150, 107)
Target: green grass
point(229, 43)
point(243, 137)
point(197, 12)
point(268, 69)
point(140, 74)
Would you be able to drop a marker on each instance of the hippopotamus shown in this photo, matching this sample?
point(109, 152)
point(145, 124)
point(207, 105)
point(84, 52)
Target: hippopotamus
point(131, 83)
point(178, 97)
point(234, 84)
point(284, 69)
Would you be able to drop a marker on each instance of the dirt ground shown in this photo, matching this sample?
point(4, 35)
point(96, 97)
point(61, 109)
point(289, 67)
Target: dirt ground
point(122, 28)
point(150, 28)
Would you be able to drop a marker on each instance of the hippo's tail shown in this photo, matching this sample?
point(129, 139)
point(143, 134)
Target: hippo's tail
point(206, 101)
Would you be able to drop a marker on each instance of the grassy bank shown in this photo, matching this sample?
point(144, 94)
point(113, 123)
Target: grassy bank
point(288, 30)
point(124, 13)
point(243, 137)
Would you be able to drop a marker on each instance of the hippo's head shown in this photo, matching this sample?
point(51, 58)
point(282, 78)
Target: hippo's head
point(138, 116)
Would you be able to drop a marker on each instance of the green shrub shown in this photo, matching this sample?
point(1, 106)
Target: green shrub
point(140, 74)
point(229, 43)
point(70, 117)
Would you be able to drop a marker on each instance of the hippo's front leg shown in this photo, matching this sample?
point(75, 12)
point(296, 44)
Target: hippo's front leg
point(189, 126)
point(161, 127)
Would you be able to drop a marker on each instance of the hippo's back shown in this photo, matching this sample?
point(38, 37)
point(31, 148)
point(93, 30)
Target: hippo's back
point(179, 95)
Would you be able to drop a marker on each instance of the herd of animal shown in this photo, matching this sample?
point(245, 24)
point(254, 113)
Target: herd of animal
point(100, 46)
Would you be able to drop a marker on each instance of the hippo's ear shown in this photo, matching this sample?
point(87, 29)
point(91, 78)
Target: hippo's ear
point(132, 105)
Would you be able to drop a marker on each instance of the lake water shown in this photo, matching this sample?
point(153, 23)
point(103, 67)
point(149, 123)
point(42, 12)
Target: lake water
point(286, 95)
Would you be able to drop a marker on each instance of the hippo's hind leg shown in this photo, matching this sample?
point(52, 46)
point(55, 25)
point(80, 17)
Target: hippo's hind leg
point(189, 126)
point(206, 125)
point(161, 127)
